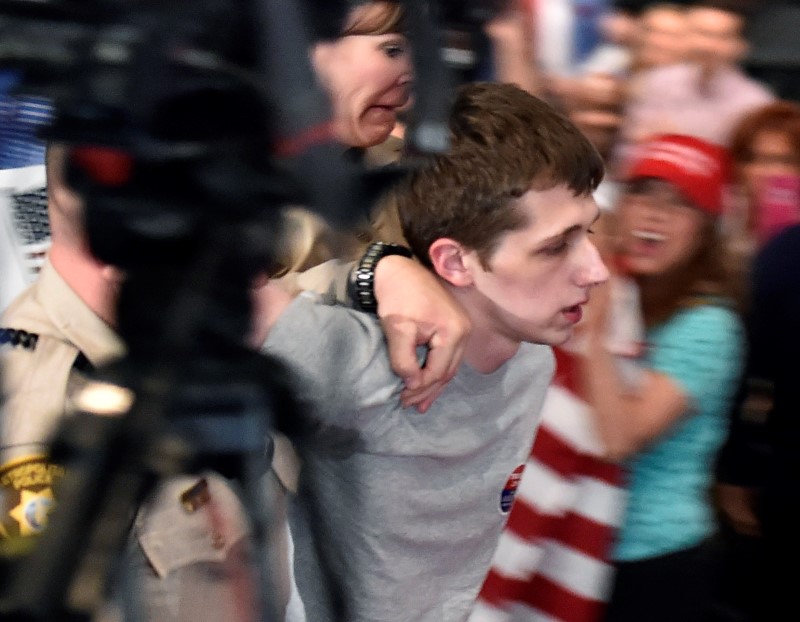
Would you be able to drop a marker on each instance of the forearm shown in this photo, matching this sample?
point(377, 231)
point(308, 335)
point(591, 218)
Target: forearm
point(629, 417)
point(334, 279)
point(605, 393)
point(414, 309)
point(512, 52)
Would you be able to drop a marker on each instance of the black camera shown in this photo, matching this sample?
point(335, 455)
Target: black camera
point(470, 13)
point(466, 50)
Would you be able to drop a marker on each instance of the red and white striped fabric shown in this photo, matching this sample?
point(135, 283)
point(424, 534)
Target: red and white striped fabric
point(552, 559)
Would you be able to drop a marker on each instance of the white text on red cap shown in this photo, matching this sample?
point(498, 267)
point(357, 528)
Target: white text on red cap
point(682, 156)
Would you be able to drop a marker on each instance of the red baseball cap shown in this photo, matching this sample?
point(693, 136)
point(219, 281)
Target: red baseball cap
point(697, 168)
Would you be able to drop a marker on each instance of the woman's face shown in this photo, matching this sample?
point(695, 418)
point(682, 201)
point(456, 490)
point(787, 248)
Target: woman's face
point(772, 155)
point(368, 78)
point(659, 231)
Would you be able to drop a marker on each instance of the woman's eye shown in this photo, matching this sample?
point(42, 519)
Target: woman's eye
point(394, 50)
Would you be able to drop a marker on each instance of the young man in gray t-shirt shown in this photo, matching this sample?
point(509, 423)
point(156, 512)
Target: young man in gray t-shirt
point(398, 513)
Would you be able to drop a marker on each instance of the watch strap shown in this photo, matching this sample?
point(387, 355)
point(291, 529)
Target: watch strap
point(362, 277)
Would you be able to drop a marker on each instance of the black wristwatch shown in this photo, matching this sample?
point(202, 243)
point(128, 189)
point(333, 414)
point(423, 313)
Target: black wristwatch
point(362, 277)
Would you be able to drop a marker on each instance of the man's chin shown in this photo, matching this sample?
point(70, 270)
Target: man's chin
point(562, 338)
point(554, 337)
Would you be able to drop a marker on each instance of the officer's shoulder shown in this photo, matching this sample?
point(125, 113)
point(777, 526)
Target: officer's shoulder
point(34, 362)
point(30, 342)
point(27, 313)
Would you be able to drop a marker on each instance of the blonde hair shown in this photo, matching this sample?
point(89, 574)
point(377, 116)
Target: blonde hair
point(307, 240)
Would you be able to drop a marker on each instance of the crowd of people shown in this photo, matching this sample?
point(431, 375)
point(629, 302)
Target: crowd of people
point(550, 377)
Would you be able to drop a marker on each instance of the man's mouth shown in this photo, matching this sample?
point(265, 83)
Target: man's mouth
point(573, 313)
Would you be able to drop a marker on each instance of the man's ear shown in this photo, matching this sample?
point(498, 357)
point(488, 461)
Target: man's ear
point(451, 261)
point(112, 274)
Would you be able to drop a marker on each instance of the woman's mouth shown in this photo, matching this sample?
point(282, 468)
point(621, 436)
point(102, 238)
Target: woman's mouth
point(645, 242)
point(381, 115)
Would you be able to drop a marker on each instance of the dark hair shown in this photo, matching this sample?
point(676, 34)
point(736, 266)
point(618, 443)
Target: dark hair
point(55, 160)
point(780, 116)
point(504, 142)
point(742, 8)
point(704, 278)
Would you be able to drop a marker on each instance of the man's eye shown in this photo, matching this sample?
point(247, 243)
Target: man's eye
point(556, 249)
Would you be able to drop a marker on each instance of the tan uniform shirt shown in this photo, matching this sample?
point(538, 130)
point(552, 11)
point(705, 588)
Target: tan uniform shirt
point(45, 331)
point(38, 379)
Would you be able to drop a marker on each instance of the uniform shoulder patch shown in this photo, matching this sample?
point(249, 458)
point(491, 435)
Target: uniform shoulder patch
point(27, 492)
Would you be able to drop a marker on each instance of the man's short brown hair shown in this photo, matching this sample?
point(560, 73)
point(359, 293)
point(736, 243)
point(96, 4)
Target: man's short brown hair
point(504, 142)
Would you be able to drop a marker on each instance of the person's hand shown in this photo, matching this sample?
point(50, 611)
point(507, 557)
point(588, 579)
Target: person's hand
point(736, 504)
point(511, 41)
point(595, 313)
point(597, 310)
point(506, 28)
point(599, 91)
point(269, 300)
point(415, 309)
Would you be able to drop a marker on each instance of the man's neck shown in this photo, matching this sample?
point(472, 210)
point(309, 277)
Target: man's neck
point(84, 275)
point(486, 349)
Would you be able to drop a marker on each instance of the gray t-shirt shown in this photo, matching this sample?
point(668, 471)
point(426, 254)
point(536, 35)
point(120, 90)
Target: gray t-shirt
point(398, 513)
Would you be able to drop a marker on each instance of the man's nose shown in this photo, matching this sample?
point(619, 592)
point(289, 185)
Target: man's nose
point(406, 78)
point(652, 211)
point(593, 270)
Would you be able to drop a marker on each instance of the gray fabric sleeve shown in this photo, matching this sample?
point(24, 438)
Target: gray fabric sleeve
point(337, 357)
